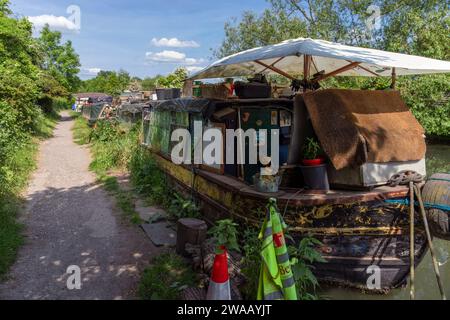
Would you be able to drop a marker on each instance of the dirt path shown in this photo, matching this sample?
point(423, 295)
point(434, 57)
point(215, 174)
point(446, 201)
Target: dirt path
point(70, 220)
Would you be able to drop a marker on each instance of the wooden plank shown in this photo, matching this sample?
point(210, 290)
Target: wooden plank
point(275, 69)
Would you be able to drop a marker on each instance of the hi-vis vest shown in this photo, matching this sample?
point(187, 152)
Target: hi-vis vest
point(276, 281)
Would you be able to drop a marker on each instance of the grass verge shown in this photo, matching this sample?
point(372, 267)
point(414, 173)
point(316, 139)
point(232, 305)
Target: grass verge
point(166, 278)
point(16, 171)
point(111, 147)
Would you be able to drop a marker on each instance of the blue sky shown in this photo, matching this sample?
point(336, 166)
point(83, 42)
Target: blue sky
point(117, 34)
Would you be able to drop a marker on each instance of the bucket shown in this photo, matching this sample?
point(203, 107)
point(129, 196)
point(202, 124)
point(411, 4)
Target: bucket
point(268, 184)
point(316, 177)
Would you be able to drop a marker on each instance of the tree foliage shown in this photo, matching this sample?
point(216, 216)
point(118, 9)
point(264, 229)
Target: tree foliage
point(405, 26)
point(110, 82)
point(60, 60)
point(150, 83)
point(31, 76)
point(172, 80)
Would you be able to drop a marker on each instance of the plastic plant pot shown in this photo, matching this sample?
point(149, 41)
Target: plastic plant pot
point(316, 177)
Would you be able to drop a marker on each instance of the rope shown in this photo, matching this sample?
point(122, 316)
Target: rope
point(412, 178)
point(405, 177)
point(430, 243)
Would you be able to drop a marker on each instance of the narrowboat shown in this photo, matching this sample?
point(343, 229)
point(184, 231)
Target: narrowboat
point(366, 136)
point(93, 106)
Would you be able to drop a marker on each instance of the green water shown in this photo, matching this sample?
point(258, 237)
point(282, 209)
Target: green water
point(438, 160)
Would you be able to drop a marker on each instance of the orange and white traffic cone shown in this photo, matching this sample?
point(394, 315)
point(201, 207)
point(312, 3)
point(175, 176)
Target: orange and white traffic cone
point(219, 286)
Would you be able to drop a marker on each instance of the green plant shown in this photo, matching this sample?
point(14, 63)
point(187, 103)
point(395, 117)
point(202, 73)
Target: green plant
point(225, 233)
point(302, 258)
point(251, 262)
point(148, 178)
point(183, 208)
point(173, 80)
point(166, 278)
point(311, 149)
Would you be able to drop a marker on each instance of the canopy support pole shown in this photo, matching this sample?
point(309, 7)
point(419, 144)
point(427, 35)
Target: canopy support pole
point(365, 69)
point(337, 71)
point(275, 69)
point(394, 78)
point(273, 64)
point(306, 71)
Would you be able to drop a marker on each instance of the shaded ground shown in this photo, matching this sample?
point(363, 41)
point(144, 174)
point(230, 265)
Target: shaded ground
point(70, 220)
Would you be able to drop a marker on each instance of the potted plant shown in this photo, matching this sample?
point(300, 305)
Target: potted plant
point(314, 168)
point(312, 153)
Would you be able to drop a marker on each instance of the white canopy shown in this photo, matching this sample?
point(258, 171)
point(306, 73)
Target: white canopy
point(288, 58)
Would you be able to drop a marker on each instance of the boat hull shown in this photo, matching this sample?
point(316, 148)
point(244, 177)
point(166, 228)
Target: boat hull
point(357, 232)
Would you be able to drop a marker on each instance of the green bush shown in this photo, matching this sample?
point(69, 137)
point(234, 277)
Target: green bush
point(429, 100)
point(166, 278)
point(113, 145)
point(148, 178)
point(81, 130)
point(14, 171)
point(302, 258)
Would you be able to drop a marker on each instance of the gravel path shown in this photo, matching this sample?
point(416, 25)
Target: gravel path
point(70, 220)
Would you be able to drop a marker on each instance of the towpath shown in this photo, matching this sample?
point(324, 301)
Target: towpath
point(71, 221)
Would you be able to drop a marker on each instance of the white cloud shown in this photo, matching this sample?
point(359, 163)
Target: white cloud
point(174, 43)
point(93, 70)
point(169, 56)
point(55, 23)
point(90, 71)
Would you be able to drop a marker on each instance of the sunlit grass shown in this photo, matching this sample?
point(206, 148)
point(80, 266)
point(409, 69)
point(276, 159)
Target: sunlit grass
point(166, 278)
point(17, 169)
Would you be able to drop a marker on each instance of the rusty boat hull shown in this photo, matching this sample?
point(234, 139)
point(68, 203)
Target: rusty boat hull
point(358, 229)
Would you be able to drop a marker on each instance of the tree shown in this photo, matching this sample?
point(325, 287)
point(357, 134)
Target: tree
point(409, 26)
point(60, 60)
point(110, 82)
point(149, 84)
point(173, 80)
point(406, 26)
point(19, 67)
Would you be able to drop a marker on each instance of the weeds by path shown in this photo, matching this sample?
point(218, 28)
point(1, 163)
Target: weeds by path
point(14, 175)
point(111, 147)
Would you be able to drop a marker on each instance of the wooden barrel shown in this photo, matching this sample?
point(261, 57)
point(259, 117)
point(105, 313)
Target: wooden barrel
point(436, 198)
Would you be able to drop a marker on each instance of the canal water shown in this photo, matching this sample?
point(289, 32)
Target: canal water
point(438, 160)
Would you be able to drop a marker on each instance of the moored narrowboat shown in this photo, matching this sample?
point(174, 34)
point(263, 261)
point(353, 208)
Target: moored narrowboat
point(366, 137)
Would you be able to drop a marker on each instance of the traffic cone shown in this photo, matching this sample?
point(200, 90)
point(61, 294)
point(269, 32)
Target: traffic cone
point(219, 286)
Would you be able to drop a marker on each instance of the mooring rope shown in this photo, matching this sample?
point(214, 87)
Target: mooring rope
point(412, 179)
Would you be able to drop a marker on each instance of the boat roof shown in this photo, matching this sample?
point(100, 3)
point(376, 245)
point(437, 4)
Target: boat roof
point(329, 58)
